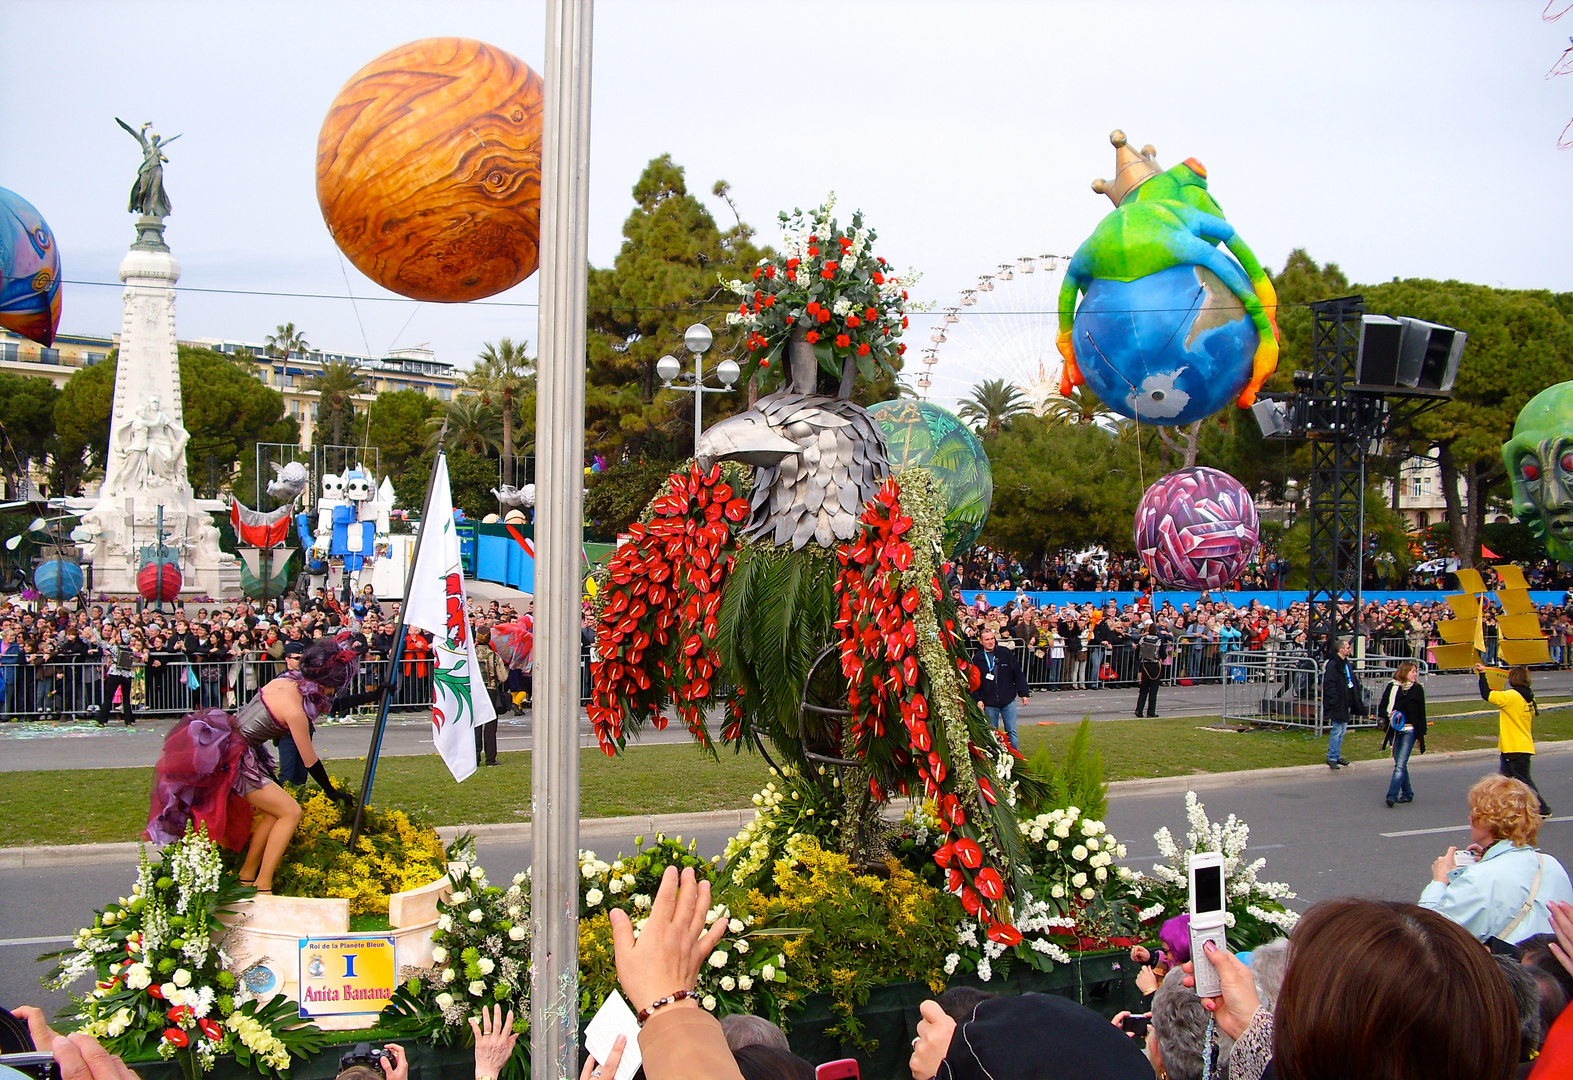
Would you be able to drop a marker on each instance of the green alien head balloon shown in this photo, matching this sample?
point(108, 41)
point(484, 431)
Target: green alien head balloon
point(1539, 460)
point(922, 434)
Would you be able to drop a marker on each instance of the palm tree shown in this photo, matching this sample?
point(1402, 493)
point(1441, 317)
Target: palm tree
point(336, 386)
point(1081, 407)
point(472, 425)
point(502, 377)
point(992, 405)
point(286, 340)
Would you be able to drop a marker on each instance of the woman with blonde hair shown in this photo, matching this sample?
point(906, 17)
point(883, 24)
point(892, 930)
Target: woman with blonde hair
point(1515, 740)
point(1402, 712)
point(1499, 886)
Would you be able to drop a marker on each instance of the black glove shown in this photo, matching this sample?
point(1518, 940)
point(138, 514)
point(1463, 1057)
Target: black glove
point(352, 701)
point(319, 773)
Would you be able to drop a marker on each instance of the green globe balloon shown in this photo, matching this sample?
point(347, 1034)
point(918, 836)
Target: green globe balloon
point(922, 434)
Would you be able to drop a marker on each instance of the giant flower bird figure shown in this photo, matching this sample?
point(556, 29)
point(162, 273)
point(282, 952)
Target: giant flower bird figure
point(788, 580)
point(1169, 327)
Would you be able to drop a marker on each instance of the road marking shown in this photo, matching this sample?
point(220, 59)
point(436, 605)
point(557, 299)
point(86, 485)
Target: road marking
point(37, 941)
point(1461, 828)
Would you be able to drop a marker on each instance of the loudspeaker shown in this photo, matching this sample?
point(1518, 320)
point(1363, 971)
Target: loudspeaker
point(1270, 416)
point(1381, 344)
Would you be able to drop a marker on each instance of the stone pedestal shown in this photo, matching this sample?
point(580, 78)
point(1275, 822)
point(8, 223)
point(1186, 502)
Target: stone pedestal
point(263, 941)
point(146, 466)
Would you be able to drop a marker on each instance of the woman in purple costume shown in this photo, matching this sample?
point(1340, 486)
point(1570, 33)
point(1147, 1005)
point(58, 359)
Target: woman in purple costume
point(213, 765)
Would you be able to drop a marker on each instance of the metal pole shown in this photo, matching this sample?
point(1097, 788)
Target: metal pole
point(559, 426)
point(699, 398)
point(381, 726)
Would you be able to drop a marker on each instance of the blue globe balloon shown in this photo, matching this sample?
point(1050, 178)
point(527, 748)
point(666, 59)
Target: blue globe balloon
point(1168, 348)
point(58, 579)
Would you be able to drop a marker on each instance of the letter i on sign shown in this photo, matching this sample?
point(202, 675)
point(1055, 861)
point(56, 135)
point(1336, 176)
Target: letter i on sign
point(349, 965)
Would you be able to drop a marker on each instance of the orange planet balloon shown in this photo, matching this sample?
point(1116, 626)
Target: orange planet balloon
point(429, 170)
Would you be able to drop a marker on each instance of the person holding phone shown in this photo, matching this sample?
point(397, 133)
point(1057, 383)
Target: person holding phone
point(1402, 711)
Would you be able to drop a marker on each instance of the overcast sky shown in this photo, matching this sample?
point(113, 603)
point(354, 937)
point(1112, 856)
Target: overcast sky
point(1398, 139)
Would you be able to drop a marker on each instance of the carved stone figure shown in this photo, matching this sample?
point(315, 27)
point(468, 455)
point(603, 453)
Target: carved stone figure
point(153, 447)
point(147, 194)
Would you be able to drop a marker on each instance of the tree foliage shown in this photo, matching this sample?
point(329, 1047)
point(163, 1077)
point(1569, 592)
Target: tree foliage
point(615, 498)
point(470, 476)
point(504, 379)
point(473, 426)
point(336, 386)
point(1059, 485)
point(992, 404)
point(27, 407)
point(286, 340)
point(666, 277)
point(226, 409)
point(398, 427)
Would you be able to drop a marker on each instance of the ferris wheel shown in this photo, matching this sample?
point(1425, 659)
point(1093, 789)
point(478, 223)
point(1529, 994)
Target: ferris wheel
point(1002, 327)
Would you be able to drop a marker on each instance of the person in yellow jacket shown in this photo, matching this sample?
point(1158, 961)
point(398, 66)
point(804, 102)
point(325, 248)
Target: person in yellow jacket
point(1515, 742)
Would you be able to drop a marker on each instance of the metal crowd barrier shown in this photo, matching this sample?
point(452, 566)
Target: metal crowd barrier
point(173, 687)
point(1284, 688)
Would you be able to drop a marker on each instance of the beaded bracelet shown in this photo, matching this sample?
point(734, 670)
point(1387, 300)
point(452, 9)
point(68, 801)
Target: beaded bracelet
point(659, 1003)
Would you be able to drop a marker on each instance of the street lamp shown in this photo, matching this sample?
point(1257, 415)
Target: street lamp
point(697, 339)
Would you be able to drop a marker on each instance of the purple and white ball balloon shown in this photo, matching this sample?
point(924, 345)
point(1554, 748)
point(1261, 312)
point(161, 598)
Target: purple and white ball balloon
point(1196, 529)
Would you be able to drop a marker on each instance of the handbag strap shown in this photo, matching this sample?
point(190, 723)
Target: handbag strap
point(1534, 890)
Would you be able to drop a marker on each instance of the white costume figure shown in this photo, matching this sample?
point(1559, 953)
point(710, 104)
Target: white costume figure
point(332, 497)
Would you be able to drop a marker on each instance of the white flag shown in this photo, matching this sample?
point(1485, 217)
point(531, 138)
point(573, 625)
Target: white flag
point(437, 604)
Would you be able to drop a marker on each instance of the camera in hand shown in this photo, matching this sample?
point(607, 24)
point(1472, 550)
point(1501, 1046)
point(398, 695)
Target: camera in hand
point(1136, 1024)
point(363, 1054)
point(38, 1065)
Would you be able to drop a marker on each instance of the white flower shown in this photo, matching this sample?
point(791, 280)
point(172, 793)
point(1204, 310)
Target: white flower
point(486, 965)
point(447, 975)
point(444, 1001)
point(438, 954)
point(445, 923)
point(169, 990)
point(615, 886)
point(768, 973)
point(1101, 874)
point(1058, 892)
point(475, 915)
point(1078, 853)
point(728, 983)
point(476, 873)
point(1119, 850)
point(1088, 893)
point(709, 1003)
point(950, 963)
point(478, 988)
point(587, 871)
point(182, 977)
point(459, 897)
point(594, 897)
point(1037, 834)
point(1078, 880)
point(718, 959)
point(516, 933)
point(1092, 843)
point(1054, 845)
point(736, 926)
point(138, 977)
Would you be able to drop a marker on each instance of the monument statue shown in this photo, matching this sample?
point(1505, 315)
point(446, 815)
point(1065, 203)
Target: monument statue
point(153, 445)
point(147, 194)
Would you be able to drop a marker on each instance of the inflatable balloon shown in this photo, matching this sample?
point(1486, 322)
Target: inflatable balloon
point(30, 265)
point(1196, 529)
point(429, 170)
point(918, 433)
point(159, 580)
point(1170, 327)
point(58, 579)
point(1539, 460)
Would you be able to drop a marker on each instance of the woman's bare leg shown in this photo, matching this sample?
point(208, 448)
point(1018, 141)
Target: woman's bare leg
point(259, 840)
point(274, 802)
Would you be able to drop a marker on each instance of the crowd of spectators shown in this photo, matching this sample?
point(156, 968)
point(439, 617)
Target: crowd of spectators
point(84, 660)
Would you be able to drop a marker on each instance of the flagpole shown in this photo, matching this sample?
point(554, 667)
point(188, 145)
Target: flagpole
point(381, 726)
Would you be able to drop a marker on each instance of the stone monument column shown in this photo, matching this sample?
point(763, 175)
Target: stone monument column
point(145, 470)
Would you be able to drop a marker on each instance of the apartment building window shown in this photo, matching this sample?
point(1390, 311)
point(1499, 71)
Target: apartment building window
point(91, 358)
point(49, 356)
point(8, 351)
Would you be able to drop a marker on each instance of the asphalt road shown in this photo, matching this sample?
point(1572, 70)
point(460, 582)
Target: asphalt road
point(83, 745)
point(1327, 834)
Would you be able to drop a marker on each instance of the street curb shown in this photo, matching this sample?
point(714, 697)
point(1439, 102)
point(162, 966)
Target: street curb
point(19, 858)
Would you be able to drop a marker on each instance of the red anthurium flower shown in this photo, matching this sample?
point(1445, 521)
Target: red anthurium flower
point(989, 883)
point(210, 1029)
point(971, 902)
point(944, 853)
point(968, 853)
point(1004, 934)
point(179, 1013)
point(177, 1037)
point(954, 881)
point(154, 991)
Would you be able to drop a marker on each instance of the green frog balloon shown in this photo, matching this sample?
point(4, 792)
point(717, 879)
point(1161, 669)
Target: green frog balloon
point(1539, 460)
point(1169, 327)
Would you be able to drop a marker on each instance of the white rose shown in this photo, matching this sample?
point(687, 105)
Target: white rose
point(1078, 853)
point(709, 1003)
point(1054, 845)
point(1101, 874)
point(615, 886)
point(447, 975)
point(478, 988)
point(445, 923)
point(182, 977)
point(1092, 843)
point(516, 933)
point(169, 990)
point(587, 871)
point(444, 1001)
point(768, 973)
point(728, 983)
point(1088, 893)
point(740, 946)
point(593, 897)
point(438, 954)
point(745, 982)
point(459, 897)
point(1119, 849)
point(486, 965)
point(138, 977)
point(476, 873)
point(736, 926)
point(718, 959)
point(1058, 892)
point(1037, 835)
point(1078, 881)
point(475, 915)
